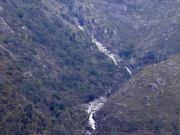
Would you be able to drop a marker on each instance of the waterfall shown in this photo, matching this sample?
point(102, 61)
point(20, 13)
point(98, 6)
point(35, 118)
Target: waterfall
point(92, 108)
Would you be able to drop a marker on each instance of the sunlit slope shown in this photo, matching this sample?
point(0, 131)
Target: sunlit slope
point(147, 104)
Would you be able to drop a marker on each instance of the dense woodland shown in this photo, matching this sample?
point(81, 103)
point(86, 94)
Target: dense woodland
point(49, 68)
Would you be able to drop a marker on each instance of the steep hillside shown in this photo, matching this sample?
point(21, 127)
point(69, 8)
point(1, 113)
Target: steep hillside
point(140, 32)
point(50, 63)
point(148, 104)
point(57, 56)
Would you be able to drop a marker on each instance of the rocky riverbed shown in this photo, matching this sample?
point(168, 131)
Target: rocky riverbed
point(91, 108)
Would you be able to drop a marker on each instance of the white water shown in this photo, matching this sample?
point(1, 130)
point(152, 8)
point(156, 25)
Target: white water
point(113, 56)
point(81, 28)
point(92, 108)
point(105, 51)
point(128, 70)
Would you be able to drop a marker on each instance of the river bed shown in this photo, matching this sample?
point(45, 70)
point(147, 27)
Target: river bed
point(92, 108)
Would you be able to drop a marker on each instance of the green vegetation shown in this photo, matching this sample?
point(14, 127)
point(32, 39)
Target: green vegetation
point(147, 104)
point(19, 13)
point(2, 38)
point(54, 73)
point(49, 68)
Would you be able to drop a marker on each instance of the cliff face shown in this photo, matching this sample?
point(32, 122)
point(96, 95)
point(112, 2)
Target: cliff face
point(147, 104)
